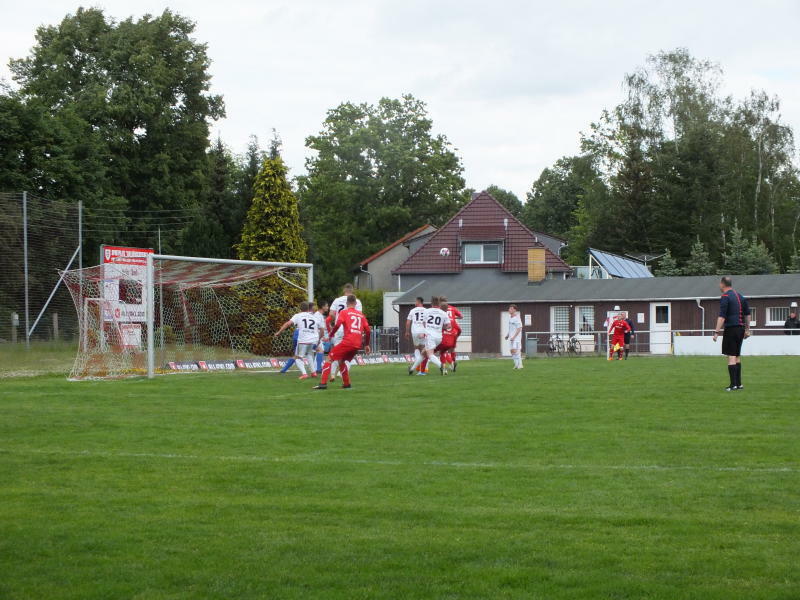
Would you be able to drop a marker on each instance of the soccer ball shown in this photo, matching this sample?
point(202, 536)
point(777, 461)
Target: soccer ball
point(444, 252)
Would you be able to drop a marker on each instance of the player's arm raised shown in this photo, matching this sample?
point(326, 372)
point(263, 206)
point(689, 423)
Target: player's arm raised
point(283, 328)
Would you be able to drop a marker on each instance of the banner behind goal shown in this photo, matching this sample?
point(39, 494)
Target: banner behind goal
point(138, 315)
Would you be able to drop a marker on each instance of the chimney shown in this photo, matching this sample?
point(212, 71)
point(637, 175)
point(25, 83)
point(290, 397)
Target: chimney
point(536, 265)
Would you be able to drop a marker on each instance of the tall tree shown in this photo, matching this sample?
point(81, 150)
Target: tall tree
point(747, 256)
point(138, 91)
point(220, 216)
point(553, 200)
point(683, 162)
point(699, 262)
point(272, 231)
point(377, 172)
point(667, 266)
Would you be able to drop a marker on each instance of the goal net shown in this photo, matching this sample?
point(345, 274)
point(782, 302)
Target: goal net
point(137, 319)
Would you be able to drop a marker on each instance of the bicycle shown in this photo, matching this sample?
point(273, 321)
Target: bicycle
point(555, 345)
point(574, 346)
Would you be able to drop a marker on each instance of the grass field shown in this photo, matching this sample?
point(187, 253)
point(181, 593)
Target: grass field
point(570, 479)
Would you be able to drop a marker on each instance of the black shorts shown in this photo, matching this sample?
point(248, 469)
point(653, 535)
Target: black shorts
point(732, 341)
point(628, 338)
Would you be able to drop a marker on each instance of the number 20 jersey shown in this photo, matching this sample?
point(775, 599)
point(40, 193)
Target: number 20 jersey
point(435, 318)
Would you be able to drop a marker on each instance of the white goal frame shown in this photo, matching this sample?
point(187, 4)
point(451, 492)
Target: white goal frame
point(150, 285)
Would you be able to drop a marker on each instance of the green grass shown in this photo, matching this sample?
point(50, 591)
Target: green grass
point(570, 479)
point(40, 359)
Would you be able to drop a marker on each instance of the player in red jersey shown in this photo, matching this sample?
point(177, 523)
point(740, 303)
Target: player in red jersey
point(454, 314)
point(617, 331)
point(447, 349)
point(355, 327)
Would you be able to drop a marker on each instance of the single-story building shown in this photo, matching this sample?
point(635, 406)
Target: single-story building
point(657, 305)
point(375, 272)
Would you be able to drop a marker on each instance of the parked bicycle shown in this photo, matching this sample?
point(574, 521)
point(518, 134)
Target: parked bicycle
point(555, 346)
point(574, 346)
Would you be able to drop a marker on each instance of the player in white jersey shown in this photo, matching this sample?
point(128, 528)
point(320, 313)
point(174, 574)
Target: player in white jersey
point(340, 304)
point(435, 321)
point(415, 331)
point(319, 355)
point(308, 337)
point(514, 335)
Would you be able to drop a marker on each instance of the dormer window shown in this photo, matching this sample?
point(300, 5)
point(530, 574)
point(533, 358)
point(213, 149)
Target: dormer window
point(482, 253)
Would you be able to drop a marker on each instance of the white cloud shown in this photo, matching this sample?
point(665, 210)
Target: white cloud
point(510, 83)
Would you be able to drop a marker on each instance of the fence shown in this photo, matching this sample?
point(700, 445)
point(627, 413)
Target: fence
point(38, 237)
point(765, 341)
point(385, 340)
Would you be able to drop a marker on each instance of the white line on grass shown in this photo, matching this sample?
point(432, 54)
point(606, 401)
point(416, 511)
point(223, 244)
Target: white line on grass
point(311, 459)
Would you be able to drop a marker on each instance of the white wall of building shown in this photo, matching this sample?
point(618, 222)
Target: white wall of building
point(756, 345)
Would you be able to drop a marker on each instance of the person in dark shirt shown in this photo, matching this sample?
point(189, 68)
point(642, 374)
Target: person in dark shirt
point(734, 324)
point(792, 324)
point(629, 334)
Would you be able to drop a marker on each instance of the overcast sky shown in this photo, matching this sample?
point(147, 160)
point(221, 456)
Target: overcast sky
point(511, 84)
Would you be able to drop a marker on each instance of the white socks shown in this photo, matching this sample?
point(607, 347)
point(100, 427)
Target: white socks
point(300, 364)
point(435, 360)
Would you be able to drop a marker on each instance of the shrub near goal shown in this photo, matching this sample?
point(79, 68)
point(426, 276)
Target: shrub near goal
point(183, 310)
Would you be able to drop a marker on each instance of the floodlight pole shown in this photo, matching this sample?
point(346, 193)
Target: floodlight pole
point(149, 316)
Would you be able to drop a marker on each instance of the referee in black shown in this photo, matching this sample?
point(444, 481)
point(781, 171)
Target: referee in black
point(734, 317)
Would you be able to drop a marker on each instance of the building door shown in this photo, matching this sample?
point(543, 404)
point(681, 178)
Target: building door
point(505, 347)
point(660, 328)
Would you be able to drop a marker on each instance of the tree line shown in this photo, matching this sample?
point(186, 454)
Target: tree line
point(118, 115)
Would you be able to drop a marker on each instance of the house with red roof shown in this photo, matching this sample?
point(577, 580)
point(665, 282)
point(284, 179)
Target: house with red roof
point(483, 246)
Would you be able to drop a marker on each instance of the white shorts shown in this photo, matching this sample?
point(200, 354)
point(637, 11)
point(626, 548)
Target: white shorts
point(304, 349)
point(515, 345)
point(432, 340)
point(418, 337)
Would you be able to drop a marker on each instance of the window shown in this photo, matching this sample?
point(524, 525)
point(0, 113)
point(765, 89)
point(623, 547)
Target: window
point(662, 314)
point(584, 318)
point(776, 315)
point(559, 319)
point(466, 322)
point(753, 317)
point(478, 254)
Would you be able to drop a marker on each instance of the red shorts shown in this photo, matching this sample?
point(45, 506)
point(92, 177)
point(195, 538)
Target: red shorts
point(448, 343)
point(618, 340)
point(343, 352)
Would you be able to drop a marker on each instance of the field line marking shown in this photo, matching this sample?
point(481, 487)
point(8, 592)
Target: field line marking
point(307, 458)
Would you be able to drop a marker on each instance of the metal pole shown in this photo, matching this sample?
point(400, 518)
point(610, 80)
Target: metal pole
point(80, 234)
point(149, 316)
point(25, 265)
point(54, 290)
point(311, 283)
point(80, 246)
point(160, 302)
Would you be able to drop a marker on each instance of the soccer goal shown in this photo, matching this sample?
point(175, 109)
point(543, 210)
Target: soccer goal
point(144, 314)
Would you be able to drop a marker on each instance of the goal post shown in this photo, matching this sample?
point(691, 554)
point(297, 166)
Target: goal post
point(147, 313)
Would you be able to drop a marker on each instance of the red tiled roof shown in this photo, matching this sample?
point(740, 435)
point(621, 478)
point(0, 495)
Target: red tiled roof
point(481, 219)
point(476, 233)
point(405, 238)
